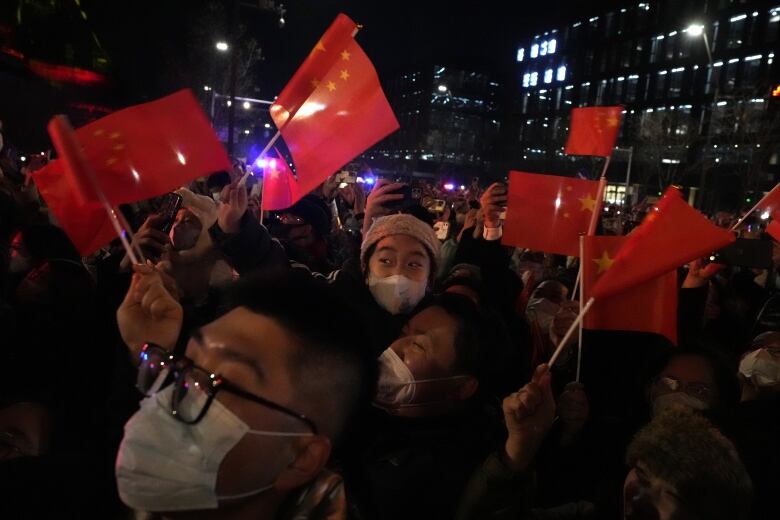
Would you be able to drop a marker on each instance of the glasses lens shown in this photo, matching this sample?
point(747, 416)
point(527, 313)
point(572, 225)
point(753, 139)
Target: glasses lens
point(191, 393)
point(154, 361)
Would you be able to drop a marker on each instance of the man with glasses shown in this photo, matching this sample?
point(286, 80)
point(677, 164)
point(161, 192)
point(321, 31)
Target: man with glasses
point(241, 424)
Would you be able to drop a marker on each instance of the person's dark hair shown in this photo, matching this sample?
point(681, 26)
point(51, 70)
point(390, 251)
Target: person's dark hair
point(480, 340)
point(315, 212)
point(684, 449)
point(334, 370)
point(45, 242)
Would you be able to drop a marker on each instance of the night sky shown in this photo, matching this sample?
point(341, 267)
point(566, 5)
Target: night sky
point(143, 37)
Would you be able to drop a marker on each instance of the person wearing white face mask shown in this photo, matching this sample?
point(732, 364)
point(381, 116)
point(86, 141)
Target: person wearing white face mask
point(429, 427)
point(755, 421)
point(399, 255)
point(273, 382)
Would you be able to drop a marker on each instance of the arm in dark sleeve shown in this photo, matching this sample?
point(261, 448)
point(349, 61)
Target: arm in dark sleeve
point(496, 492)
point(251, 248)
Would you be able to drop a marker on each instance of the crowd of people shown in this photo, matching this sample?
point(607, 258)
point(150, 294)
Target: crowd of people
point(365, 354)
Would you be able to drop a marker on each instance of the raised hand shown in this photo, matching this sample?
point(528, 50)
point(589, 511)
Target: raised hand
point(150, 239)
point(233, 203)
point(381, 195)
point(493, 203)
point(528, 414)
point(150, 311)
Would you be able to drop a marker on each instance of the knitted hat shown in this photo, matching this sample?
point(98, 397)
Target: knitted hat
point(402, 224)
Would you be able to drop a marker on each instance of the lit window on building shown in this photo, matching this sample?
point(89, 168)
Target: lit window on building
point(548, 76)
point(551, 46)
point(543, 49)
point(713, 77)
point(730, 75)
point(631, 85)
point(772, 25)
point(520, 54)
point(560, 75)
point(526, 79)
point(534, 50)
point(534, 79)
point(736, 31)
point(675, 82)
point(671, 41)
point(660, 84)
point(655, 48)
point(750, 69)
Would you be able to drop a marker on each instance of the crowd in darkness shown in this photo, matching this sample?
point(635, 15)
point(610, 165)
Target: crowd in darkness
point(365, 354)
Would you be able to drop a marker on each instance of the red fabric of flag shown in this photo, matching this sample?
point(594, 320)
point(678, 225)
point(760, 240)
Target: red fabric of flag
point(345, 113)
point(593, 131)
point(773, 229)
point(85, 223)
point(672, 234)
point(279, 185)
point(145, 150)
point(548, 213)
point(648, 307)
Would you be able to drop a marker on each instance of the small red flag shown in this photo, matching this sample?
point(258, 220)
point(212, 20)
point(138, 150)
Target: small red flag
point(672, 234)
point(143, 151)
point(593, 131)
point(279, 186)
point(85, 223)
point(773, 229)
point(771, 202)
point(549, 213)
point(333, 108)
point(648, 307)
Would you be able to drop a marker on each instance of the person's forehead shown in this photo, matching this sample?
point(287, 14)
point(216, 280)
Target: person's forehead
point(433, 319)
point(401, 244)
point(255, 337)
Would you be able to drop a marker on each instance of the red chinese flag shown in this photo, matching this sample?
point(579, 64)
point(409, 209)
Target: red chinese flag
point(143, 151)
point(279, 185)
point(549, 213)
point(86, 224)
point(648, 307)
point(593, 131)
point(773, 229)
point(344, 113)
point(672, 234)
point(771, 202)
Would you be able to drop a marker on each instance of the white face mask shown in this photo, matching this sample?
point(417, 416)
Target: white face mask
point(397, 294)
point(397, 386)
point(395, 378)
point(761, 367)
point(166, 465)
point(665, 401)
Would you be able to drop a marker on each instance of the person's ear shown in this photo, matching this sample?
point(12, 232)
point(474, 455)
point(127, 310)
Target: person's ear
point(467, 388)
point(312, 453)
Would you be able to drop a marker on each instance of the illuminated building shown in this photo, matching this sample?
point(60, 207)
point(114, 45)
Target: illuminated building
point(689, 113)
point(449, 123)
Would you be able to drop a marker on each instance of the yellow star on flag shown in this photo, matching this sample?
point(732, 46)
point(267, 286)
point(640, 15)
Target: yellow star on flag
point(566, 215)
point(612, 121)
point(331, 86)
point(315, 83)
point(114, 135)
point(98, 133)
point(345, 55)
point(344, 75)
point(604, 263)
point(588, 202)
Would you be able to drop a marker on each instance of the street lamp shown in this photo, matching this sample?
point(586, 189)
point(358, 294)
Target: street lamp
point(222, 46)
point(696, 30)
point(442, 88)
point(246, 105)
